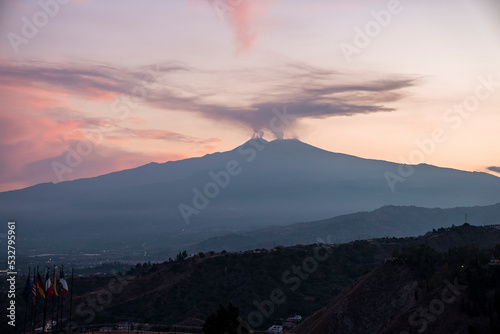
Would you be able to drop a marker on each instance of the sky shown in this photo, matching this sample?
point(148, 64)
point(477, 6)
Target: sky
point(90, 87)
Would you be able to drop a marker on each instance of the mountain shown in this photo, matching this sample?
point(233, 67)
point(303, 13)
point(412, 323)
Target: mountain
point(393, 221)
point(162, 207)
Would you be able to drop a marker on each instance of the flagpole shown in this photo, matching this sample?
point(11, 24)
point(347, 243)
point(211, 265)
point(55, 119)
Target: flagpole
point(59, 312)
point(58, 294)
point(45, 309)
point(33, 302)
point(36, 302)
point(52, 309)
point(60, 297)
point(71, 295)
point(27, 301)
point(44, 314)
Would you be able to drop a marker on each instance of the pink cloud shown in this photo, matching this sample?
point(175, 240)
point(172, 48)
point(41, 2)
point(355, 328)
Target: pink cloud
point(38, 127)
point(241, 20)
point(245, 18)
point(246, 22)
point(207, 149)
point(31, 142)
point(103, 160)
point(30, 132)
point(136, 120)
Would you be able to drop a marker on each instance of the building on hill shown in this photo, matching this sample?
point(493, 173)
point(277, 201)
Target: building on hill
point(289, 324)
point(125, 326)
point(494, 262)
point(295, 319)
point(275, 329)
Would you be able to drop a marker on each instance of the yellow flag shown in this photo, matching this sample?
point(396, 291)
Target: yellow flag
point(39, 286)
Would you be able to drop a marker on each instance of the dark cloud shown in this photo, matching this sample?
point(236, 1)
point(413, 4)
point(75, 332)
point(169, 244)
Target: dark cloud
point(494, 169)
point(83, 79)
point(305, 90)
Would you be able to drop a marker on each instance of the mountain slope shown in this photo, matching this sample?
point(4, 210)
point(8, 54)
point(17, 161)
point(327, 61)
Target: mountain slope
point(350, 312)
point(271, 183)
point(393, 221)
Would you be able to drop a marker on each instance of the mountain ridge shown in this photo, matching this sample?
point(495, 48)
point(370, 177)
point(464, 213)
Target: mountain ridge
point(402, 221)
point(269, 144)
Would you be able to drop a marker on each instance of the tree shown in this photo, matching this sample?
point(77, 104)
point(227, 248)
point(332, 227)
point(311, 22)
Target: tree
point(225, 320)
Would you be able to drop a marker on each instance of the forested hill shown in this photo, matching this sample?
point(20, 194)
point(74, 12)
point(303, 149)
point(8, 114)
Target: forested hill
point(419, 291)
point(308, 276)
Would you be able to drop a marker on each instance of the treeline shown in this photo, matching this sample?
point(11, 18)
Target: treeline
point(471, 267)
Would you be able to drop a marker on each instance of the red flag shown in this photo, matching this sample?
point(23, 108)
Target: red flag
point(48, 285)
point(64, 284)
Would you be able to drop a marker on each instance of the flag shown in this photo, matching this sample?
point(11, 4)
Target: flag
point(55, 286)
point(27, 289)
point(39, 285)
point(48, 285)
point(64, 284)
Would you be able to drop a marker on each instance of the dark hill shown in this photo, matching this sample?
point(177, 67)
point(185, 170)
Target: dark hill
point(421, 291)
point(172, 292)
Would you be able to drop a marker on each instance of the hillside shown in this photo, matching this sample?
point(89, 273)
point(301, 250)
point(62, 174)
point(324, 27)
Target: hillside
point(171, 292)
point(419, 291)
